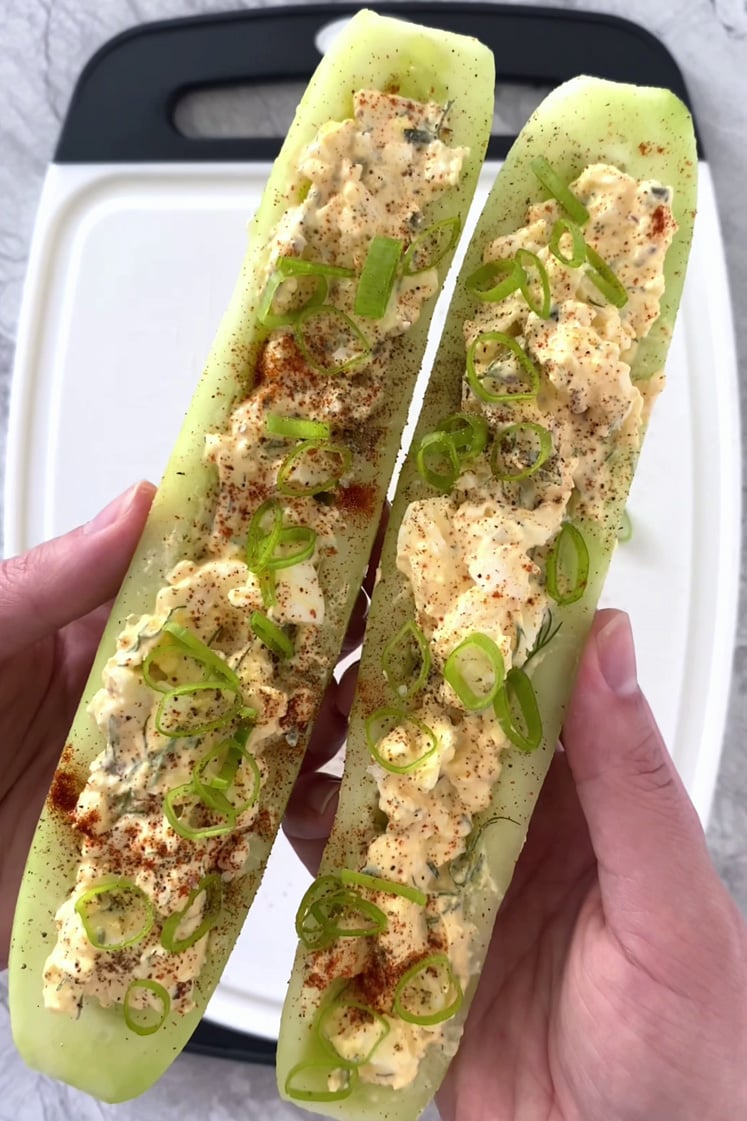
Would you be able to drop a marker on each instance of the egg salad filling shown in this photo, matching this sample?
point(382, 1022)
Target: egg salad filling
point(549, 417)
point(217, 684)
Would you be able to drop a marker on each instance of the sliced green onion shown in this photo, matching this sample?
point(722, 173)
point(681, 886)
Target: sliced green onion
point(324, 333)
point(310, 450)
point(498, 339)
point(213, 790)
point(437, 461)
point(140, 1020)
point(267, 588)
point(212, 886)
point(309, 1082)
point(297, 266)
point(296, 428)
point(179, 822)
point(273, 636)
point(378, 883)
point(300, 543)
point(604, 279)
point(562, 227)
point(404, 653)
point(475, 650)
point(468, 431)
point(338, 1014)
point(383, 722)
point(514, 438)
point(171, 707)
point(559, 190)
point(495, 280)
point(327, 906)
point(429, 984)
point(184, 642)
point(430, 247)
point(523, 728)
point(377, 277)
point(625, 532)
point(268, 318)
point(539, 307)
point(567, 571)
point(98, 914)
point(262, 538)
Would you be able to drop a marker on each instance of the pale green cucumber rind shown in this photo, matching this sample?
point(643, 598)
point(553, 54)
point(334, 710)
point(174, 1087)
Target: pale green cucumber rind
point(97, 1053)
point(648, 133)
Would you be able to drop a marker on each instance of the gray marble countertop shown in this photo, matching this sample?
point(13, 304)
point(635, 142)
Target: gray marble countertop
point(45, 43)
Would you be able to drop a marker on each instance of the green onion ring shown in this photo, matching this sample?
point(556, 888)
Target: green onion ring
point(212, 792)
point(328, 311)
point(559, 190)
point(129, 1012)
point(210, 725)
point(317, 918)
point(517, 687)
point(323, 1072)
point(604, 279)
point(468, 432)
point(377, 277)
point(271, 635)
point(529, 368)
point(302, 536)
point(310, 447)
point(540, 308)
point(480, 283)
point(339, 1003)
point(404, 685)
point(200, 833)
point(378, 883)
point(472, 701)
point(432, 961)
point(185, 642)
point(578, 249)
point(296, 428)
point(506, 435)
point(298, 266)
point(269, 319)
point(374, 738)
point(123, 887)
point(260, 543)
point(451, 226)
point(212, 885)
point(438, 445)
point(569, 536)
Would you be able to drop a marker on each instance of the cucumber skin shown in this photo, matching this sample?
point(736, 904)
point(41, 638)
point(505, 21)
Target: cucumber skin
point(97, 1053)
point(648, 133)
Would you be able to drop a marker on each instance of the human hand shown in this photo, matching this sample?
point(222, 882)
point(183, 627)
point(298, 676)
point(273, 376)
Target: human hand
point(54, 601)
point(615, 988)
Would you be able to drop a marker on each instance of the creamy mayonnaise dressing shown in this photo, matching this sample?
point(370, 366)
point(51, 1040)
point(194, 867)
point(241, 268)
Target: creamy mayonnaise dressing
point(372, 175)
point(474, 560)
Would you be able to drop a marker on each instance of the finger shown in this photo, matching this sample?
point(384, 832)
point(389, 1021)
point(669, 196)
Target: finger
point(61, 580)
point(645, 832)
point(309, 816)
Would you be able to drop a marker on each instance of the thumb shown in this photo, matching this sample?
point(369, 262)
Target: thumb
point(61, 580)
point(645, 832)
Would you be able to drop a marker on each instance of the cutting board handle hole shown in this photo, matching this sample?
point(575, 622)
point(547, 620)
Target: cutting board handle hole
point(240, 111)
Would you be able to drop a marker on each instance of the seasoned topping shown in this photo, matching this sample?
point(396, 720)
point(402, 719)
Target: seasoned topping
point(208, 694)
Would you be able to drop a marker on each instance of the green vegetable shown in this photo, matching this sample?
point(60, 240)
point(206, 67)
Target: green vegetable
point(146, 1021)
point(583, 122)
point(469, 660)
point(115, 914)
point(98, 1052)
point(490, 343)
point(377, 279)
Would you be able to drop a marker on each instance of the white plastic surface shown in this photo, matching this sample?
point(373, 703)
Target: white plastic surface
point(129, 273)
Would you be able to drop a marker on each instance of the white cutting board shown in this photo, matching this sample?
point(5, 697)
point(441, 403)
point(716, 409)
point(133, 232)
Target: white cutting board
point(129, 272)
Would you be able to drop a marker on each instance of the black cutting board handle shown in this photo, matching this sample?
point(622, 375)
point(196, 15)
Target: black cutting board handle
point(122, 108)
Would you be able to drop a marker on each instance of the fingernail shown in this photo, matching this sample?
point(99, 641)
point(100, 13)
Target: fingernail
point(616, 654)
point(114, 512)
point(321, 794)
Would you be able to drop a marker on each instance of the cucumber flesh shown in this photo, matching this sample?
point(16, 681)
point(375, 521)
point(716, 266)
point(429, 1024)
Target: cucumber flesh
point(97, 1052)
point(646, 133)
